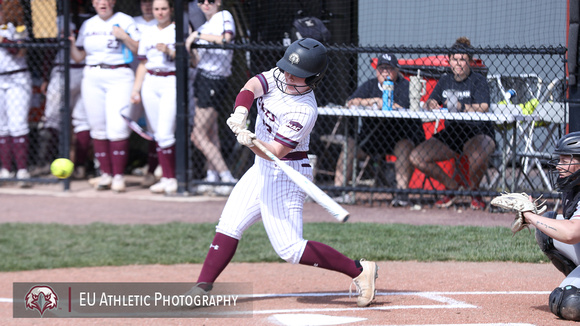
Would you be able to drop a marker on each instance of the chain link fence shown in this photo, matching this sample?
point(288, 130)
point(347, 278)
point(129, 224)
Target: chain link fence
point(356, 149)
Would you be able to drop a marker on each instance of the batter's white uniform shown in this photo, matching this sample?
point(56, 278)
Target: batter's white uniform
point(15, 86)
point(55, 92)
point(159, 86)
point(108, 79)
point(265, 191)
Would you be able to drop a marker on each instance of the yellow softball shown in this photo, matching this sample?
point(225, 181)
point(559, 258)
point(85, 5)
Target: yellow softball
point(62, 168)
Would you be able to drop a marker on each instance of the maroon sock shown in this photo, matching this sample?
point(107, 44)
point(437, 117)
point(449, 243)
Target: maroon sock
point(152, 157)
point(323, 256)
point(20, 151)
point(221, 251)
point(167, 161)
point(82, 147)
point(119, 155)
point(5, 152)
point(102, 155)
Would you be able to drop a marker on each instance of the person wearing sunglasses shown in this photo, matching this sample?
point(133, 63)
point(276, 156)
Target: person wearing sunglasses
point(213, 68)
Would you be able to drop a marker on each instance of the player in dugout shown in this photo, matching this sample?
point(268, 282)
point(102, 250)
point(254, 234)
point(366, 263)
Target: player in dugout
point(287, 112)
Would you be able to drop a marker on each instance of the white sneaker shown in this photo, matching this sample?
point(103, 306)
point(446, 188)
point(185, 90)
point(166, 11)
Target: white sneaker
point(118, 184)
point(23, 175)
point(205, 188)
point(105, 182)
point(170, 186)
point(225, 190)
point(149, 180)
point(159, 187)
point(5, 174)
point(365, 283)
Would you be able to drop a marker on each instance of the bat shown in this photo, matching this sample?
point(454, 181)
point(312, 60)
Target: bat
point(308, 186)
point(137, 128)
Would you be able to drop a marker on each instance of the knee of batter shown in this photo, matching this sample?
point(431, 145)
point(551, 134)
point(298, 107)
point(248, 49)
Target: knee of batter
point(290, 252)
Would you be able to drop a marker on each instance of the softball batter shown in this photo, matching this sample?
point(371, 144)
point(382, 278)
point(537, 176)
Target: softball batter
point(105, 42)
point(155, 85)
point(15, 95)
point(287, 113)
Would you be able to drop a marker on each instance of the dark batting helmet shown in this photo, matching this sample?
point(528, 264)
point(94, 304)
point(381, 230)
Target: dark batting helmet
point(305, 58)
point(567, 145)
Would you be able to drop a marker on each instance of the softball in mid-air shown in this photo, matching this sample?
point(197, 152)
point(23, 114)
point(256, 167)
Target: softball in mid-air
point(62, 168)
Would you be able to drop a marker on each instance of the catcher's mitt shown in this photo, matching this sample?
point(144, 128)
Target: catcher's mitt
point(519, 202)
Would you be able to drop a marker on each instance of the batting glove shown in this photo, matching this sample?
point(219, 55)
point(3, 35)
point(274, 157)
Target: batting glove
point(237, 120)
point(245, 138)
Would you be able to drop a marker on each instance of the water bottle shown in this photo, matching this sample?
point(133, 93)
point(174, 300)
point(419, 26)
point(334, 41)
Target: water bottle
point(127, 54)
point(388, 88)
point(510, 95)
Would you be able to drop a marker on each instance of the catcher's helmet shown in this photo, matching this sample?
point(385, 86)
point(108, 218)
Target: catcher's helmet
point(305, 58)
point(567, 145)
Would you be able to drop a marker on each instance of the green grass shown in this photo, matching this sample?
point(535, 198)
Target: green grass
point(40, 246)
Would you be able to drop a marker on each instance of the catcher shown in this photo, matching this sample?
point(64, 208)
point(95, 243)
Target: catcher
point(558, 235)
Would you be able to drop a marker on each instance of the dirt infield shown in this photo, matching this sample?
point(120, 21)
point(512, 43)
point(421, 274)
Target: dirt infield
point(408, 293)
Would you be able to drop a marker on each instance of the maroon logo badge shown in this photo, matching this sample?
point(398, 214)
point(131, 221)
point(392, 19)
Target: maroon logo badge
point(294, 125)
point(41, 298)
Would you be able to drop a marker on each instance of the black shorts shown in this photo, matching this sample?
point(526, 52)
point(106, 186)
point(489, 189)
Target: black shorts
point(379, 136)
point(209, 90)
point(457, 133)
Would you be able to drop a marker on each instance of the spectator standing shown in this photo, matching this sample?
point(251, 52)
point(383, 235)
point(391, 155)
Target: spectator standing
point(15, 96)
point(155, 85)
point(380, 136)
point(105, 42)
point(213, 68)
point(465, 91)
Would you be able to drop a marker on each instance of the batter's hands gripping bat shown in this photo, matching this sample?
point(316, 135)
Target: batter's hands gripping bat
point(310, 188)
point(137, 128)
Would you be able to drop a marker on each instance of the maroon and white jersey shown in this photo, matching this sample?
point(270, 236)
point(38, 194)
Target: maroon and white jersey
point(96, 38)
point(284, 118)
point(8, 60)
point(157, 60)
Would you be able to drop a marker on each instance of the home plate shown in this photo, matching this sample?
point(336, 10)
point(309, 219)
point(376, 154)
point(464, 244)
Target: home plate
point(312, 319)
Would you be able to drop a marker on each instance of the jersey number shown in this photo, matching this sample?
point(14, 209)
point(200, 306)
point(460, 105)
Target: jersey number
point(113, 44)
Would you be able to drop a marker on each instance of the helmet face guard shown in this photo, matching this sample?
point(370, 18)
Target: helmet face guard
point(284, 86)
point(567, 146)
point(557, 168)
point(305, 58)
